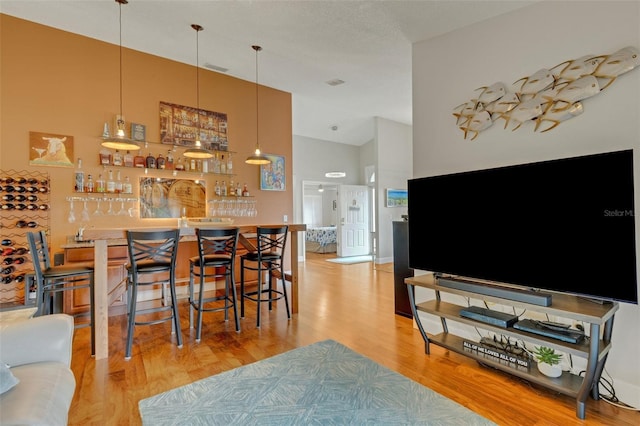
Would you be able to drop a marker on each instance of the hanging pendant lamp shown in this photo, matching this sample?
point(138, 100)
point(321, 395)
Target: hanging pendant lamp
point(119, 141)
point(258, 157)
point(197, 151)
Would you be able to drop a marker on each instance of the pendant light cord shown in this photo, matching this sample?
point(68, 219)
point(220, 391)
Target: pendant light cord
point(121, 2)
point(257, 49)
point(198, 28)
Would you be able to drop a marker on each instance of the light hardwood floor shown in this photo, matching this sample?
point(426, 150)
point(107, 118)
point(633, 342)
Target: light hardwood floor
point(352, 304)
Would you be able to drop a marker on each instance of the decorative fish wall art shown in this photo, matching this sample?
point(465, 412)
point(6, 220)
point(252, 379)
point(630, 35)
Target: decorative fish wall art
point(548, 97)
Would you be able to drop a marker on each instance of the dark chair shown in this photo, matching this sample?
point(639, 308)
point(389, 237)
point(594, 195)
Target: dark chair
point(152, 263)
point(268, 257)
point(52, 281)
point(217, 253)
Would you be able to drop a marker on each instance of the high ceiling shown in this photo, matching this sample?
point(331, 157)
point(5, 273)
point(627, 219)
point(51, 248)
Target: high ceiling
point(306, 44)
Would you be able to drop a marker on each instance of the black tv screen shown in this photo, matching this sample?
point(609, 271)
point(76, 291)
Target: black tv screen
point(563, 225)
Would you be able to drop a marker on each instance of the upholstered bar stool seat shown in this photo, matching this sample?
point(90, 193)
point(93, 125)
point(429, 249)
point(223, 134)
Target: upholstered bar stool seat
point(52, 281)
point(216, 254)
point(152, 263)
point(271, 242)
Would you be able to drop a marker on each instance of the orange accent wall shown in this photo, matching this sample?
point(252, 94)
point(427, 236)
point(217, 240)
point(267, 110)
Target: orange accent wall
point(57, 82)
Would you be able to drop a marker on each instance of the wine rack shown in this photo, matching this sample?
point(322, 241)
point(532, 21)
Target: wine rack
point(24, 207)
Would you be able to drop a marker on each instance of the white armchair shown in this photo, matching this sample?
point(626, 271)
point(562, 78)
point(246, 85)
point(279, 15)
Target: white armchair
point(38, 353)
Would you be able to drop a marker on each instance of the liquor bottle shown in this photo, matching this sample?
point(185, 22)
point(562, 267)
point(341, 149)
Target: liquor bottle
point(90, 184)
point(150, 161)
point(128, 159)
point(126, 186)
point(245, 191)
point(180, 165)
point(217, 189)
point(223, 189)
point(117, 158)
point(192, 165)
point(238, 190)
point(101, 185)
point(223, 166)
point(232, 189)
point(118, 182)
point(160, 162)
point(205, 165)
point(169, 164)
point(229, 164)
point(111, 185)
point(139, 161)
point(216, 164)
point(105, 157)
point(79, 177)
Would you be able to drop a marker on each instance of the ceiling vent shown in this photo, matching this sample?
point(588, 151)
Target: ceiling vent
point(215, 67)
point(335, 82)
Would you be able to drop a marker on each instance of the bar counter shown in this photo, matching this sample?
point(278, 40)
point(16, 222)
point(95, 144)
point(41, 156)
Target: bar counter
point(101, 239)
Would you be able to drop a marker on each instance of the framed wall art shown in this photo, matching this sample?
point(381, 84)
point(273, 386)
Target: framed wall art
point(272, 175)
point(179, 125)
point(397, 198)
point(48, 149)
point(172, 198)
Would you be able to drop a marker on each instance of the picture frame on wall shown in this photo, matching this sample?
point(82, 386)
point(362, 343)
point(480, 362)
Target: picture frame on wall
point(397, 198)
point(172, 198)
point(49, 149)
point(272, 175)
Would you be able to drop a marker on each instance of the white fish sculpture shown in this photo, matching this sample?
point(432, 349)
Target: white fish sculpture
point(540, 80)
point(616, 64)
point(465, 111)
point(506, 103)
point(573, 70)
point(491, 93)
point(557, 115)
point(524, 111)
point(480, 121)
point(575, 91)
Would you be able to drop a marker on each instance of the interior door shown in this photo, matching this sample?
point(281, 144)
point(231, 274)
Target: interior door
point(353, 232)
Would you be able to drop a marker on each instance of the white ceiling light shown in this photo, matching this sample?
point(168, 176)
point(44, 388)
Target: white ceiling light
point(320, 188)
point(335, 174)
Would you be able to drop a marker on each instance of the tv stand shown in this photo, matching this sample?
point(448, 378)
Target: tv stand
point(595, 350)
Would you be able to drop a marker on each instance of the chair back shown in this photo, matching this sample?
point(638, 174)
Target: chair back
point(153, 248)
point(39, 252)
point(271, 241)
point(220, 243)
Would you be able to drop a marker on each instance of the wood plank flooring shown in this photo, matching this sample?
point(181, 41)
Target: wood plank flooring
point(352, 304)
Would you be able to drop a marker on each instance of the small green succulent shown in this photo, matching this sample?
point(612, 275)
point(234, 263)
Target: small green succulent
point(547, 355)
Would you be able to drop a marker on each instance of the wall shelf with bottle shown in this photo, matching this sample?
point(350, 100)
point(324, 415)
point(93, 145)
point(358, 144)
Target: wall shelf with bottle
point(221, 163)
point(24, 208)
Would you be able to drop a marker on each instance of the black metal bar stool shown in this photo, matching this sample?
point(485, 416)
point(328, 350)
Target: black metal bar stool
point(269, 257)
point(217, 253)
point(152, 262)
point(53, 281)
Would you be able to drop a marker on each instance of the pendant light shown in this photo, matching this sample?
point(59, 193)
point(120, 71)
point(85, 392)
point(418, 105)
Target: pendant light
point(119, 141)
point(197, 151)
point(258, 157)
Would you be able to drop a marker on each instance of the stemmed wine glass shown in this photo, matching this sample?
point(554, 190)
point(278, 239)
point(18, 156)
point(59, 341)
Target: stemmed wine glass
point(85, 213)
point(72, 216)
point(110, 210)
point(123, 211)
point(98, 212)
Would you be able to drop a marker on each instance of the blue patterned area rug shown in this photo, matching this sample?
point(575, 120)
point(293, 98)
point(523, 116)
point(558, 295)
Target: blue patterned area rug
point(323, 383)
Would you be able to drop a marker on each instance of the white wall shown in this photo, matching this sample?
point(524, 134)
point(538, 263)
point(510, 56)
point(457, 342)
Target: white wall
point(394, 145)
point(448, 69)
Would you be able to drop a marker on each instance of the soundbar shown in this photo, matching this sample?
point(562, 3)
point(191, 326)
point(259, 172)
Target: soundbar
point(519, 295)
point(538, 327)
point(499, 319)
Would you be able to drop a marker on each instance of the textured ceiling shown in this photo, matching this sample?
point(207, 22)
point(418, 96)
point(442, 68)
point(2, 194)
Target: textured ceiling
point(367, 44)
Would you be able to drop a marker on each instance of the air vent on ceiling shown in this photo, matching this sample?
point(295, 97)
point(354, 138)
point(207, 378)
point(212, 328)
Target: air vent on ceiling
point(335, 82)
point(215, 67)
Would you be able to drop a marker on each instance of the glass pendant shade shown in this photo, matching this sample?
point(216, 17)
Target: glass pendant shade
point(197, 151)
point(120, 142)
point(258, 158)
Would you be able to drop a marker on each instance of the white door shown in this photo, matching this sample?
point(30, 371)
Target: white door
point(353, 229)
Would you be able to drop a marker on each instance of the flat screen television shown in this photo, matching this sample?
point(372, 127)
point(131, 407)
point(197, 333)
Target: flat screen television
point(563, 225)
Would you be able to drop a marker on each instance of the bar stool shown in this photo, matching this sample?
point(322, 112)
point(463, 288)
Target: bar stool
point(52, 281)
point(217, 252)
point(152, 263)
point(268, 257)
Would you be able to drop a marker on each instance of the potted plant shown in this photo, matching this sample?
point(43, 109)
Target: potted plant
point(548, 361)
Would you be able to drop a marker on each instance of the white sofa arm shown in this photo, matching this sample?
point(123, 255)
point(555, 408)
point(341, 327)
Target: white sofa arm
point(45, 338)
